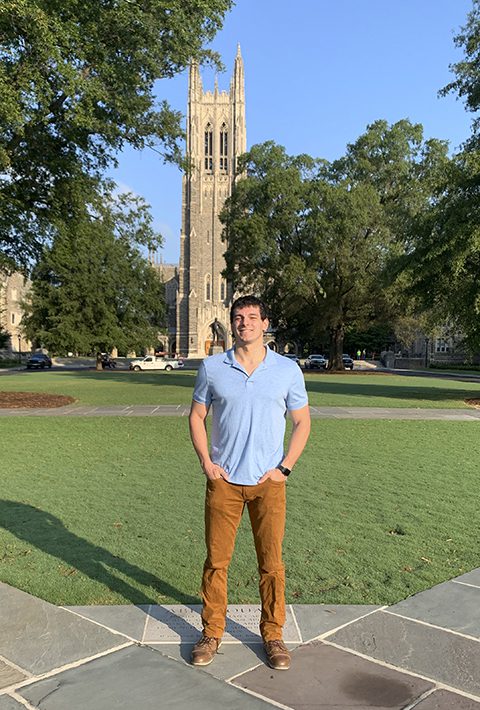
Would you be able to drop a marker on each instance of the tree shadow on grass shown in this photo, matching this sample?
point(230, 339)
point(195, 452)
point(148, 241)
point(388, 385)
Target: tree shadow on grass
point(391, 391)
point(47, 533)
point(157, 379)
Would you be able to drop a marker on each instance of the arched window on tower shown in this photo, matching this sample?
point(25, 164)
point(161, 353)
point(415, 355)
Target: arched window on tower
point(208, 288)
point(209, 148)
point(223, 148)
point(223, 289)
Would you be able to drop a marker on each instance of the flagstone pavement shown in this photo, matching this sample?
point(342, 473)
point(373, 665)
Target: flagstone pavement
point(423, 653)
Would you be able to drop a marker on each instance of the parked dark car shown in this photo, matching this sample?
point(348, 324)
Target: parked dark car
point(315, 362)
point(347, 362)
point(38, 360)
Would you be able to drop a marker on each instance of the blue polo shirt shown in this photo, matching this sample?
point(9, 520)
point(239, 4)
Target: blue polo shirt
point(248, 412)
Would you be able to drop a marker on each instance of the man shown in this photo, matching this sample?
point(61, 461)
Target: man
point(250, 388)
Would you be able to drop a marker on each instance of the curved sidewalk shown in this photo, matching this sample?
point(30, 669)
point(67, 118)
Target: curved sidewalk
point(182, 410)
point(421, 653)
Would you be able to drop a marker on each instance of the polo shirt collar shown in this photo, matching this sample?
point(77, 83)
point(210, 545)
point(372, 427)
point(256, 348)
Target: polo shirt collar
point(267, 361)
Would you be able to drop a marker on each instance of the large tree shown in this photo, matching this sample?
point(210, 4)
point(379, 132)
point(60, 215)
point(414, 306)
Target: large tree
point(77, 83)
point(444, 264)
point(441, 272)
point(315, 237)
point(92, 289)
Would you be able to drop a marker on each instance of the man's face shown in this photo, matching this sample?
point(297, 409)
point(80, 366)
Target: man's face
point(248, 326)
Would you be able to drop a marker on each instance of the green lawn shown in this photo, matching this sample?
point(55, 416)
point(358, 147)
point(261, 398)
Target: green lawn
point(362, 390)
point(110, 510)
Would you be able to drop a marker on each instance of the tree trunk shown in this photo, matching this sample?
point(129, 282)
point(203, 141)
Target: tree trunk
point(335, 360)
point(98, 364)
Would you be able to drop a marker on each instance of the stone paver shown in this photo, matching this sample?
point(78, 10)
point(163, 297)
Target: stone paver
point(126, 619)
point(8, 703)
point(472, 577)
point(137, 678)
point(332, 679)
point(316, 619)
point(450, 605)
point(9, 675)
point(232, 659)
point(39, 637)
point(442, 655)
point(444, 700)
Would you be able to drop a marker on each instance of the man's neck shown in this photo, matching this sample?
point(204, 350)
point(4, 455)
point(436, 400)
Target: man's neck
point(250, 355)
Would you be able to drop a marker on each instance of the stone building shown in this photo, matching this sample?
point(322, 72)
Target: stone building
point(168, 274)
point(13, 290)
point(216, 136)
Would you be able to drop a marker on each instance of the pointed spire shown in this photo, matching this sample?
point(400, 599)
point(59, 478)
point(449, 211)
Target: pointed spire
point(216, 85)
point(237, 97)
point(194, 81)
point(238, 77)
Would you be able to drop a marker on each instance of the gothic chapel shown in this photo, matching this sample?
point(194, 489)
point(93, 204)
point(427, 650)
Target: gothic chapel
point(216, 136)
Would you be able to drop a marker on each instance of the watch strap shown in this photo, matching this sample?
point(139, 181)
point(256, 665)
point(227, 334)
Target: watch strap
point(283, 469)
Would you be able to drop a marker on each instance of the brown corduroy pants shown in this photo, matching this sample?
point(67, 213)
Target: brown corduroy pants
point(224, 505)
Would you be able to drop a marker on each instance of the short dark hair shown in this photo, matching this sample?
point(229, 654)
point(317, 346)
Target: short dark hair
point(244, 301)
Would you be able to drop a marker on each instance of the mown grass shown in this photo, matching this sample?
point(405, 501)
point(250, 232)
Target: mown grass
point(110, 510)
point(361, 390)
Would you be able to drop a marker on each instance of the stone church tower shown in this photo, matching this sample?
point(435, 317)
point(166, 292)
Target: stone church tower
point(216, 136)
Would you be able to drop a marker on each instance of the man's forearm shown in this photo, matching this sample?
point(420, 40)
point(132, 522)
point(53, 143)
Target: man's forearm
point(198, 435)
point(298, 439)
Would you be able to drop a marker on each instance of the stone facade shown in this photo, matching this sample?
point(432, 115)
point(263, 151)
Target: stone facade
point(13, 290)
point(216, 136)
point(168, 275)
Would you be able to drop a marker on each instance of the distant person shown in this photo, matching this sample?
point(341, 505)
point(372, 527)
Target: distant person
point(249, 388)
point(364, 354)
point(359, 354)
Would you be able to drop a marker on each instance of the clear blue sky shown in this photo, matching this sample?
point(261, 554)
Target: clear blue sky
point(316, 73)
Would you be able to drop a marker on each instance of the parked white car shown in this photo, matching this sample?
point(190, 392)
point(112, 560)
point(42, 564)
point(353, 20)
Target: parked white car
point(151, 362)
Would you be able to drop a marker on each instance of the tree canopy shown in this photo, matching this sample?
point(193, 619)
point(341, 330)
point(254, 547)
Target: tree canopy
point(78, 81)
point(315, 238)
point(443, 265)
point(467, 76)
point(92, 290)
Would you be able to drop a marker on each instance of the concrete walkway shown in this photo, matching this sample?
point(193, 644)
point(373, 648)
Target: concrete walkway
point(421, 653)
point(182, 410)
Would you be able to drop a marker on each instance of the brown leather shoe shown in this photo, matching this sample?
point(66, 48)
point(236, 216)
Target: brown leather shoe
point(204, 651)
point(278, 655)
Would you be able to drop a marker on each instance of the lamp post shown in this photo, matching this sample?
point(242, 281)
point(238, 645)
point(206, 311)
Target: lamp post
point(19, 348)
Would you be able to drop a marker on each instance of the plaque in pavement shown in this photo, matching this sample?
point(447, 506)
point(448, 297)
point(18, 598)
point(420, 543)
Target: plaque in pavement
point(183, 624)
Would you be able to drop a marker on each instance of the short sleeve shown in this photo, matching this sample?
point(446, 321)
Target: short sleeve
point(297, 394)
point(201, 392)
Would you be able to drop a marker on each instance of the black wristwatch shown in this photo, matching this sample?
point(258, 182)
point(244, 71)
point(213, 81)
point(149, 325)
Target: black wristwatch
point(283, 469)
